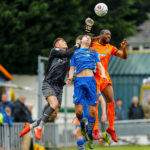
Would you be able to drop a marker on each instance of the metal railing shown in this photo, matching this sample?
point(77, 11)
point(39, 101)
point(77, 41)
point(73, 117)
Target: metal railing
point(53, 135)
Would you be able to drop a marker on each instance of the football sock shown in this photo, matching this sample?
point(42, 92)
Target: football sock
point(111, 114)
point(80, 144)
point(91, 122)
point(35, 124)
point(46, 115)
point(97, 120)
point(81, 119)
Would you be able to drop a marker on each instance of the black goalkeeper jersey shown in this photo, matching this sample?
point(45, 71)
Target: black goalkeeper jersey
point(58, 65)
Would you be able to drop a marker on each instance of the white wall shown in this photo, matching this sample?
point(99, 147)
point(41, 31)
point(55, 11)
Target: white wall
point(32, 96)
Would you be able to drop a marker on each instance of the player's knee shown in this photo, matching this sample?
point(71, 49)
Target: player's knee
point(92, 112)
point(79, 112)
point(109, 100)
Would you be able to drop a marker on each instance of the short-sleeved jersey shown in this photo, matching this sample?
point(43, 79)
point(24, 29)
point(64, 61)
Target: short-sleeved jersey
point(104, 53)
point(84, 59)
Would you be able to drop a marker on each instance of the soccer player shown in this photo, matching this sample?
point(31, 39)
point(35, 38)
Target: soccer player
point(52, 88)
point(78, 135)
point(105, 50)
point(83, 62)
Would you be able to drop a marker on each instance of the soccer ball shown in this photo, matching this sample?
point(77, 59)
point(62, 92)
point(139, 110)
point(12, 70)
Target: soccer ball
point(101, 9)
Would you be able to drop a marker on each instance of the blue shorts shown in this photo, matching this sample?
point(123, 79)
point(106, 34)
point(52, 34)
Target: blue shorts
point(85, 91)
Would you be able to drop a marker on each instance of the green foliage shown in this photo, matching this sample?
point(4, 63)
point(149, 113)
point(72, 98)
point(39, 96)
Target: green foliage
point(29, 27)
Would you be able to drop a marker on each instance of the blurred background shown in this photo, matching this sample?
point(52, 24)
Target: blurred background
point(27, 31)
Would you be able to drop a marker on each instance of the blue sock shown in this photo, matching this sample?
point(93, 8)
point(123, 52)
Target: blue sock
point(91, 122)
point(80, 144)
point(81, 119)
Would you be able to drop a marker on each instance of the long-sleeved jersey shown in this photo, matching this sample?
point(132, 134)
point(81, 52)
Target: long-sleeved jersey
point(58, 65)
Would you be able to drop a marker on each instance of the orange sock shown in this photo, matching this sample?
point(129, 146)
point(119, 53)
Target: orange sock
point(97, 120)
point(111, 114)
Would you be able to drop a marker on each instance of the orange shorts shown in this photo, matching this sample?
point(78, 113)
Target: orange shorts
point(102, 83)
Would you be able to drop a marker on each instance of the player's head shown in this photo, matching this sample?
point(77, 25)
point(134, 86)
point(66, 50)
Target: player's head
point(105, 36)
point(86, 40)
point(60, 43)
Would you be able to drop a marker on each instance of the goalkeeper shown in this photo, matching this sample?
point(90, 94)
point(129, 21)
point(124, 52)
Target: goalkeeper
point(52, 88)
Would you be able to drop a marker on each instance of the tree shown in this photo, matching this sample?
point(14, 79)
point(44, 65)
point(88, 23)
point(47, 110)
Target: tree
point(29, 27)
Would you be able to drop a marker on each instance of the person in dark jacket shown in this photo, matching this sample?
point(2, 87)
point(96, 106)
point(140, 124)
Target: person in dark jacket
point(21, 113)
point(119, 112)
point(135, 110)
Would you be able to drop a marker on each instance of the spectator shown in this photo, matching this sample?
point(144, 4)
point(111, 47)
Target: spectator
point(146, 109)
point(7, 117)
point(1, 118)
point(119, 112)
point(135, 110)
point(21, 113)
point(30, 107)
point(6, 103)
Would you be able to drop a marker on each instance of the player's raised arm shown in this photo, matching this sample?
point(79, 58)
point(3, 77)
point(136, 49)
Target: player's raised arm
point(61, 50)
point(122, 52)
point(71, 74)
point(102, 70)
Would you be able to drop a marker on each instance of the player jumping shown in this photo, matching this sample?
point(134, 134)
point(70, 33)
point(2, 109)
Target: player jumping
point(105, 50)
point(52, 88)
point(83, 63)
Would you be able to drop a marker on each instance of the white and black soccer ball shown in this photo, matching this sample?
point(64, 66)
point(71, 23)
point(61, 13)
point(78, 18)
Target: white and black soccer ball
point(101, 9)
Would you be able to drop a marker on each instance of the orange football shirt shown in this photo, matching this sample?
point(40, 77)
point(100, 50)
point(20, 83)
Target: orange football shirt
point(104, 53)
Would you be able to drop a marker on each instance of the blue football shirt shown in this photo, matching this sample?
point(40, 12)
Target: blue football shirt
point(84, 59)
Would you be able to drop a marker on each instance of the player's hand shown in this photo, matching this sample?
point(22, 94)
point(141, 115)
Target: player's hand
point(104, 118)
point(89, 23)
point(124, 44)
point(69, 80)
point(104, 76)
point(78, 43)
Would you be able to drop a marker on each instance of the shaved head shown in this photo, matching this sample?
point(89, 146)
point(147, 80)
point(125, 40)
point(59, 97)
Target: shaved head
point(103, 31)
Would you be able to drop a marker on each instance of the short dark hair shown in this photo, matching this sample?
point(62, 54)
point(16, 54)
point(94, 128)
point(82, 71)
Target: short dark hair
point(58, 39)
point(119, 99)
point(103, 31)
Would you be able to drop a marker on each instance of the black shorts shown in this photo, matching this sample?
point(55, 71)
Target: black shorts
point(52, 90)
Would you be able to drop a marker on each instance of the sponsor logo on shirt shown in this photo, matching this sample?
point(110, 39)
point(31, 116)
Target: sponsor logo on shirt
point(100, 54)
point(107, 50)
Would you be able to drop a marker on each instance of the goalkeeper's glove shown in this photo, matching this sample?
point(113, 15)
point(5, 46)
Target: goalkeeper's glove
point(77, 43)
point(89, 23)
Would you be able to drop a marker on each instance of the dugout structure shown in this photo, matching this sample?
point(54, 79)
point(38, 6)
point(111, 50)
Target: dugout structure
point(127, 75)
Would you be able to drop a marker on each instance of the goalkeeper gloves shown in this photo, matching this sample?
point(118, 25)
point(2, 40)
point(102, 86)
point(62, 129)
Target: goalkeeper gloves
point(89, 23)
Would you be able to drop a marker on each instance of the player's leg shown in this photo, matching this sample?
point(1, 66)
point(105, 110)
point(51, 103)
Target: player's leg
point(79, 114)
point(96, 135)
point(53, 104)
point(91, 97)
point(78, 100)
point(109, 95)
point(79, 138)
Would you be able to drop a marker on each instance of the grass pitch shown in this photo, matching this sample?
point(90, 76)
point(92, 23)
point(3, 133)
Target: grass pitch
point(116, 148)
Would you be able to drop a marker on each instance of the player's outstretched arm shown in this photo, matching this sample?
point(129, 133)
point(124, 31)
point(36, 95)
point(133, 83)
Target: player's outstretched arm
point(122, 53)
point(71, 74)
point(103, 107)
point(102, 70)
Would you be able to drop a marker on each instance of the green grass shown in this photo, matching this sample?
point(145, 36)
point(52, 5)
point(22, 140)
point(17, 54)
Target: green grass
point(116, 148)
